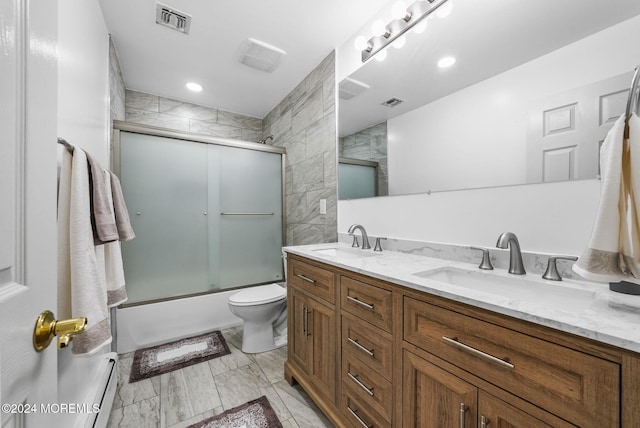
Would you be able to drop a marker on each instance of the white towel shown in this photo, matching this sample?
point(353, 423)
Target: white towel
point(116, 292)
point(81, 277)
point(613, 253)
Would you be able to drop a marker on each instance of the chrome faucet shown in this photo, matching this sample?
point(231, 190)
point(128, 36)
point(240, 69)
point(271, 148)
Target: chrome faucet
point(365, 237)
point(508, 239)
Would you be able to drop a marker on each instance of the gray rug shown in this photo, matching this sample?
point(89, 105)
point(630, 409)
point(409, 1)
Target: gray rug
point(256, 413)
point(156, 360)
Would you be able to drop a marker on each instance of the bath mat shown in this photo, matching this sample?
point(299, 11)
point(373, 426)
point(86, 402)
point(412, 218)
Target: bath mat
point(256, 413)
point(156, 360)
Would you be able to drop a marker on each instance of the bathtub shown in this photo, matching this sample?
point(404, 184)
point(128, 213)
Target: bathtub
point(154, 323)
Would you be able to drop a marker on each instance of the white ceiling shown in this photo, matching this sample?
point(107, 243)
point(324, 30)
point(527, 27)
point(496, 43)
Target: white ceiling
point(158, 60)
point(487, 37)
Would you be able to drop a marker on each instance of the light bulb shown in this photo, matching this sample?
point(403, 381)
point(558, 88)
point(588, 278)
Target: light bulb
point(378, 28)
point(193, 86)
point(381, 56)
point(399, 42)
point(420, 27)
point(398, 10)
point(446, 62)
point(444, 10)
point(360, 43)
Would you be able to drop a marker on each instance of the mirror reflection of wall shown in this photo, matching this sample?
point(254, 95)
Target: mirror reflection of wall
point(370, 144)
point(528, 108)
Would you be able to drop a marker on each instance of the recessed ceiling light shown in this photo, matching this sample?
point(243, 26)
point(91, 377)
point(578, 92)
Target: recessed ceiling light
point(193, 86)
point(446, 62)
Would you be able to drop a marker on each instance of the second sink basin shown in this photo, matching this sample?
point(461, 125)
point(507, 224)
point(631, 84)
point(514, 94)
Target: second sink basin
point(514, 287)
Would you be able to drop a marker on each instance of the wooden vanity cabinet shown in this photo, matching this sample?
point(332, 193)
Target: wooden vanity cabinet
point(376, 354)
point(312, 331)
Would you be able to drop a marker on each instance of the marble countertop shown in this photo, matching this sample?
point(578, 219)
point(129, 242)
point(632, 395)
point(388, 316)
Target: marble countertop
point(595, 313)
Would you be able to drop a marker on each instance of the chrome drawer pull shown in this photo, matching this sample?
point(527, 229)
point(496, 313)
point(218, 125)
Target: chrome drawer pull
point(360, 302)
point(484, 422)
point(359, 346)
point(355, 415)
point(475, 351)
point(463, 411)
point(313, 281)
point(360, 384)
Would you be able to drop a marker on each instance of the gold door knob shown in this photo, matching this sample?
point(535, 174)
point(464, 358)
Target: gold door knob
point(46, 327)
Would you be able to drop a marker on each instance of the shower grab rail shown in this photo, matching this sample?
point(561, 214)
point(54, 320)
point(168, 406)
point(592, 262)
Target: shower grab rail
point(247, 213)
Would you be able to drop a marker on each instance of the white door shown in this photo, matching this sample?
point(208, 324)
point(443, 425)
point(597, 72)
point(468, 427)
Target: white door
point(566, 130)
point(28, 88)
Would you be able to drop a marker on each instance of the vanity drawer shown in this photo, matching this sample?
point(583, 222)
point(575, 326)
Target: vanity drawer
point(318, 281)
point(580, 388)
point(368, 344)
point(368, 302)
point(367, 384)
point(358, 413)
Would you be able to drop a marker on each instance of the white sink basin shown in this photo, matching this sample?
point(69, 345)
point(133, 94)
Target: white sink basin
point(514, 287)
point(346, 253)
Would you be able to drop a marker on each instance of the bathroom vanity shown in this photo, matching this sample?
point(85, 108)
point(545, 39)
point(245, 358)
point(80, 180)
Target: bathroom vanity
point(383, 339)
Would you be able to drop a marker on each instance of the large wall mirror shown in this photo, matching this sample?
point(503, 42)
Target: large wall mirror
point(535, 88)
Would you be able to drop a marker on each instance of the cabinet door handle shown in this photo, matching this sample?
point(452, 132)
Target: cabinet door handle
point(463, 413)
point(304, 278)
point(484, 422)
point(360, 302)
point(304, 320)
point(360, 347)
point(355, 415)
point(308, 331)
point(454, 341)
point(360, 384)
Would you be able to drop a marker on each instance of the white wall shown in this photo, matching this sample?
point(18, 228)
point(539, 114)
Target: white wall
point(83, 118)
point(479, 127)
point(547, 218)
point(83, 77)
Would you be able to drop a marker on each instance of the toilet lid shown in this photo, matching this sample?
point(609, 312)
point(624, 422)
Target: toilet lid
point(258, 295)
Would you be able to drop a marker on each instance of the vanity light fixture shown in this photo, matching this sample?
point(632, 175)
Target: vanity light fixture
point(403, 22)
point(193, 86)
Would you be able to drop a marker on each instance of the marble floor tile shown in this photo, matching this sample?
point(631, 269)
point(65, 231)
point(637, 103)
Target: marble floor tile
point(187, 392)
point(272, 363)
point(304, 410)
point(143, 414)
point(129, 393)
point(197, 418)
point(189, 395)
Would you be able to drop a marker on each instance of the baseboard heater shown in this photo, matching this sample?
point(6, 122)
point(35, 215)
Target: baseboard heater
point(105, 385)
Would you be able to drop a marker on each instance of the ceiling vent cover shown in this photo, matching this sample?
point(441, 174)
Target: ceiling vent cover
point(172, 18)
point(261, 56)
point(350, 88)
point(392, 102)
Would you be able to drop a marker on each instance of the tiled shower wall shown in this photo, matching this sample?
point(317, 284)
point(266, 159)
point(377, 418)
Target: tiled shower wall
point(304, 122)
point(116, 85)
point(369, 144)
point(177, 115)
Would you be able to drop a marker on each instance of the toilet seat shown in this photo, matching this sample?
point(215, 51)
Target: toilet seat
point(260, 295)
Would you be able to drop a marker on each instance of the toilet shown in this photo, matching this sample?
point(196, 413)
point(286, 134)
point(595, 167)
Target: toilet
point(264, 312)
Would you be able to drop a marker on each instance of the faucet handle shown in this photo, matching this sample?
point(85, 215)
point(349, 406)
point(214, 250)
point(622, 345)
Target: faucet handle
point(552, 270)
point(486, 260)
point(378, 247)
point(355, 243)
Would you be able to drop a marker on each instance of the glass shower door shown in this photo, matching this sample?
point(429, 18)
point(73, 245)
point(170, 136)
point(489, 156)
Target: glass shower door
point(249, 217)
point(165, 186)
